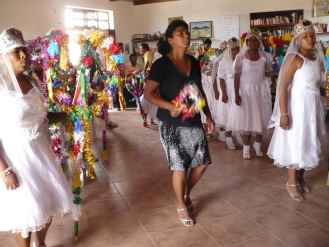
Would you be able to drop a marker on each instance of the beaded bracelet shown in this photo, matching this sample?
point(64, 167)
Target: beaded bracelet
point(5, 172)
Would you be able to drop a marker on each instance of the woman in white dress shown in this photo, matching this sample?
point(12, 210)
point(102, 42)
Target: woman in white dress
point(225, 96)
point(299, 140)
point(33, 188)
point(208, 62)
point(253, 108)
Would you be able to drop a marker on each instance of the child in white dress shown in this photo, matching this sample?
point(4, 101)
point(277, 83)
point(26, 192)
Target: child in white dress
point(253, 108)
point(33, 188)
point(299, 140)
point(225, 96)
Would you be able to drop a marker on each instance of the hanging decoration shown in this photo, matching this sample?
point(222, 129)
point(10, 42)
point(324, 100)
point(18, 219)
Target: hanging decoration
point(81, 91)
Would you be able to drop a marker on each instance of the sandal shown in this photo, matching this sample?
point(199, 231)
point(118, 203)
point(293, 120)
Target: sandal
point(294, 193)
point(35, 245)
point(246, 152)
point(184, 217)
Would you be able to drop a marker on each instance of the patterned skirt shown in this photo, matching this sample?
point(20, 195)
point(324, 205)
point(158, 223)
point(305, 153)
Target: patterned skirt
point(185, 147)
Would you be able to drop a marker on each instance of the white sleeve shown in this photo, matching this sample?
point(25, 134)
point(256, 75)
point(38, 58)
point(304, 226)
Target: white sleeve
point(221, 73)
point(237, 64)
point(214, 70)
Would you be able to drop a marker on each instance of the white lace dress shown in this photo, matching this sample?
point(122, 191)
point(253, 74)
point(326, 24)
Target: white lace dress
point(304, 144)
point(208, 76)
point(223, 110)
point(255, 111)
point(43, 190)
point(148, 108)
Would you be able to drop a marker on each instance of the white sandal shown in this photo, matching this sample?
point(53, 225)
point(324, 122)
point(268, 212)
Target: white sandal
point(184, 217)
point(258, 149)
point(34, 245)
point(230, 143)
point(294, 194)
point(246, 152)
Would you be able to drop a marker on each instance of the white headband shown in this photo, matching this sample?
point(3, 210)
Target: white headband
point(233, 43)
point(301, 28)
point(11, 39)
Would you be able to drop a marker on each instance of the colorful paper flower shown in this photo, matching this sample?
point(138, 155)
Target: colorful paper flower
point(53, 49)
point(88, 61)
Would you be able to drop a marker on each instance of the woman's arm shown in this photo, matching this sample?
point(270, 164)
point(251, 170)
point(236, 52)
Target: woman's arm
point(237, 88)
point(323, 80)
point(222, 84)
point(151, 93)
point(8, 176)
point(3, 165)
point(206, 111)
point(215, 88)
point(288, 72)
point(237, 69)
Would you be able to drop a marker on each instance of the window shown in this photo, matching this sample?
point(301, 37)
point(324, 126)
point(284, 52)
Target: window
point(80, 18)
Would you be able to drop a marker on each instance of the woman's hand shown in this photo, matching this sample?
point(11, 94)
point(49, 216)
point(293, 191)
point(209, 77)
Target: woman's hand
point(284, 121)
point(11, 181)
point(175, 111)
point(238, 99)
point(210, 125)
point(225, 97)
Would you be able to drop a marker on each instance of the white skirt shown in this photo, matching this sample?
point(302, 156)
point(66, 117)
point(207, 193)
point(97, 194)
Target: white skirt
point(207, 85)
point(43, 190)
point(255, 111)
point(148, 108)
point(305, 143)
point(223, 110)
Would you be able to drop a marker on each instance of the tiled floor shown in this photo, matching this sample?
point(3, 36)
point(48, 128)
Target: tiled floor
point(238, 203)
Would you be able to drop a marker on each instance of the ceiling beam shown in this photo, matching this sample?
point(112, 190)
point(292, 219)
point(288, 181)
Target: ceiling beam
point(138, 2)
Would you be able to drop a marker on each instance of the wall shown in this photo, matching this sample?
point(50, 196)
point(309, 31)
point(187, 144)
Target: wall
point(154, 17)
point(36, 17)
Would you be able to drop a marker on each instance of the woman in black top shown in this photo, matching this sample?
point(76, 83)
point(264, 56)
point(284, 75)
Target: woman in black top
point(184, 141)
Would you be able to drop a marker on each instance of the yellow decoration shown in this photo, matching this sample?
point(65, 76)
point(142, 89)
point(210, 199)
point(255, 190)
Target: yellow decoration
point(96, 38)
point(201, 103)
point(211, 52)
point(64, 55)
point(102, 99)
point(81, 39)
point(76, 180)
point(87, 150)
point(327, 51)
point(49, 74)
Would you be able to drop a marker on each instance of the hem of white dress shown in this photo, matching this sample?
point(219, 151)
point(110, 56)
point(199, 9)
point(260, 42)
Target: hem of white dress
point(251, 132)
point(294, 166)
point(25, 232)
